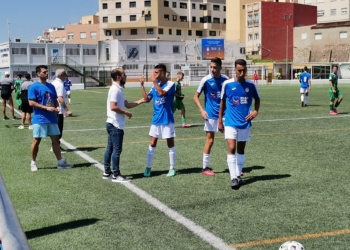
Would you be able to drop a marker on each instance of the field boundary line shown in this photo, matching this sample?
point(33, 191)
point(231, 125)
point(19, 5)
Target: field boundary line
point(199, 231)
point(289, 238)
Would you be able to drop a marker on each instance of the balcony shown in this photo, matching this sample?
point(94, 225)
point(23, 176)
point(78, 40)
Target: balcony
point(206, 12)
point(207, 25)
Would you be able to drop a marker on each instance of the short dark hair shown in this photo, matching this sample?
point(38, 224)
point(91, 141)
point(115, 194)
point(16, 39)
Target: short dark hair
point(116, 72)
point(180, 73)
point(161, 66)
point(39, 67)
point(19, 75)
point(216, 60)
point(336, 66)
point(27, 76)
point(241, 62)
point(305, 68)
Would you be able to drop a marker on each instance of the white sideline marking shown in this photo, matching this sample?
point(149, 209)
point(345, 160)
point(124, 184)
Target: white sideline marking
point(89, 91)
point(202, 124)
point(202, 233)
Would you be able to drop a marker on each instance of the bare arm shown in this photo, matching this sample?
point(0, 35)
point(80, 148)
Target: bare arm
point(130, 105)
point(199, 106)
point(331, 84)
point(160, 91)
point(34, 104)
point(221, 113)
point(144, 93)
point(115, 108)
point(254, 112)
point(62, 103)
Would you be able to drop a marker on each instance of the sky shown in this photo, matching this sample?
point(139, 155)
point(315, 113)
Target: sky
point(28, 18)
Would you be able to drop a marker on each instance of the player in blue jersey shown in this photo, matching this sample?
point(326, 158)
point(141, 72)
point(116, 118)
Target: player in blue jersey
point(305, 86)
point(211, 86)
point(162, 93)
point(236, 100)
point(67, 84)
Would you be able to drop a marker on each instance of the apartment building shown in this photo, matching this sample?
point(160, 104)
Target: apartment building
point(329, 11)
point(87, 31)
point(161, 19)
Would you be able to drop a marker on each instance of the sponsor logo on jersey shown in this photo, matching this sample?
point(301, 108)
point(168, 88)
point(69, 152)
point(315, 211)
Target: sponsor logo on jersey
point(235, 100)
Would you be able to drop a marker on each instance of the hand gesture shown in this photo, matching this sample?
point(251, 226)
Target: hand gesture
point(128, 114)
point(142, 80)
point(153, 77)
point(252, 115)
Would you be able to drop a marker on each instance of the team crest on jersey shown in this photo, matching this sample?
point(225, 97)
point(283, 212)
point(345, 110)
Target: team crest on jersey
point(235, 100)
point(247, 90)
point(212, 94)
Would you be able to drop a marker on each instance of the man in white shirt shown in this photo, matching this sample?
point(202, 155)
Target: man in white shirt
point(116, 104)
point(61, 75)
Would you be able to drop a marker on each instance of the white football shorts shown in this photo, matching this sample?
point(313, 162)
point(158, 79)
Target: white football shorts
point(237, 134)
point(162, 131)
point(304, 90)
point(211, 125)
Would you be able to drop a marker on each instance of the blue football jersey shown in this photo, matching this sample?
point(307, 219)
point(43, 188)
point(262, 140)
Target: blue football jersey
point(163, 105)
point(239, 98)
point(212, 92)
point(304, 80)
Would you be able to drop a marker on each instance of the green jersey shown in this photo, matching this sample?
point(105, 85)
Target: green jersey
point(18, 84)
point(178, 89)
point(334, 79)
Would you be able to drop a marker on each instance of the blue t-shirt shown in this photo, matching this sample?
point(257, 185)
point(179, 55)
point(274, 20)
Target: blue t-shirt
point(44, 94)
point(163, 105)
point(66, 84)
point(304, 79)
point(239, 98)
point(212, 92)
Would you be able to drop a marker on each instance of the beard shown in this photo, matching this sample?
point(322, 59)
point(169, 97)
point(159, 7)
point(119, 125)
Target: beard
point(122, 83)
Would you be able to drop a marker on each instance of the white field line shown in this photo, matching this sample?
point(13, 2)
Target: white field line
point(202, 124)
point(89, 91)
point(202, 233)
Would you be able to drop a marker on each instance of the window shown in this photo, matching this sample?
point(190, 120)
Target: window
point(174, 17)
point(216, 20)
point(131, 66)
point(174, 4)
point(170, 31)
point(343, 34)
point(160, 31)
point(183, 18)
point(303, 36)
point(63, 39)
point(224, 8)
point(148, 17)
point(118, 5)
point(189, 32)
point(108, 33)
point(73, 52)
point(132, 17)
point(105, 19)
point(57, 40)
point(242, 50)
point(183, 5)
point(104, 6)
point(176, 49)
point(320, 72)
point(224, 20)
point(70, 36)
point(166, 3)
point(320, 13)
point(166, 17)
point(250, 37)
point(193, 6)
point(178, 32)
point(133, 32)
point(344, 11)
point(333, 12)
point(147, 3)
point(118, 32)
point(194, 19)
point(132, 4)
point(89, 52)
point(89, 22)
point(202, 7)
point(206, 19)
point(199, 33)
point(318, 36)
point(82, 35)
point(19, 51)
point(212, 33)
point(93, 35)
point(152, 49)
point(216, 7)
point(118, 18)
point(256, 36)
point(150, 31)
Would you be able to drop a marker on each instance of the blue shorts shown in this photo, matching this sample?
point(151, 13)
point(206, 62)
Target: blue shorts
point(45, 130)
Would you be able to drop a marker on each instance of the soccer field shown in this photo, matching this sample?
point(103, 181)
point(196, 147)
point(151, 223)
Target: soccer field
point(296, 169)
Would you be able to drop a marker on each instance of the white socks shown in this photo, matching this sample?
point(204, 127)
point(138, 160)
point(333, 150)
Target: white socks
point(69, 100)
point(232, 166)
point(150, 155)
point(172, 157)
point(302, 98)
point(206, 160)
point(240, 162)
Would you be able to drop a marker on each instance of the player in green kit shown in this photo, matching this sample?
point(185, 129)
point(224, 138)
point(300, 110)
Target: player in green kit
point(334, 92)
point(17, 84)
point(178, 104)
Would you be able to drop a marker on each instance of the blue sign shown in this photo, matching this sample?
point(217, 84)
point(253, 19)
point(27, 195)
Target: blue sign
point(213, 48)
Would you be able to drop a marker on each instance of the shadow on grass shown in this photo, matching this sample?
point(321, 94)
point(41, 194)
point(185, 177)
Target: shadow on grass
point(343, 113)
point(59, 228)
point(80, 165)
point(268, 177)
point(88, 149)
point(310, 105)
point(155, 173)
